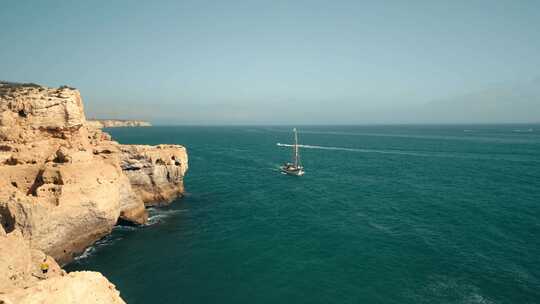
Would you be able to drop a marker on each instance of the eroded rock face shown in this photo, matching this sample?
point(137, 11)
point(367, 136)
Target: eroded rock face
point(26, 110)
point(61, 193)
point(66, 208)
point(61, 183)
point(63, 186)
point(22, 281)
point(20, 265)
point(81, 287)
point(156, 173)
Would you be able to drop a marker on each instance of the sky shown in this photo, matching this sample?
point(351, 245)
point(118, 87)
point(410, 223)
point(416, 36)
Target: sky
point(282, 62)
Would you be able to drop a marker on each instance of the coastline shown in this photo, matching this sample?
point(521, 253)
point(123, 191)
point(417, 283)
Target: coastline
point(117, 123)
point(65, 184)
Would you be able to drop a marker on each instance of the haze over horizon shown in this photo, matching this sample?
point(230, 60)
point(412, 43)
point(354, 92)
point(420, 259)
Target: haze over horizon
point(282, 62)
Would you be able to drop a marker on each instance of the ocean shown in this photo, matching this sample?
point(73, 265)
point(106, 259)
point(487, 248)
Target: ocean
point(384, 214)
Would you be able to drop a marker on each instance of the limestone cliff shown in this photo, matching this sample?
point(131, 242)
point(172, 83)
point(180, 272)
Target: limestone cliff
point(19, 266)
point(65, 184)
point(21, 279)
point(155, 173)
point(61, 184)
point(81, 287)
point(115, 123)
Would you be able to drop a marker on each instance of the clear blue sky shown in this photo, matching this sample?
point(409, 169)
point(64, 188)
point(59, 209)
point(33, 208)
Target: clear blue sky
point(201, 62)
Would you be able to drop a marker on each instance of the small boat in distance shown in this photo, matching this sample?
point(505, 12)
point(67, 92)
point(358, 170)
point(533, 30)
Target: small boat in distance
point(294, 168)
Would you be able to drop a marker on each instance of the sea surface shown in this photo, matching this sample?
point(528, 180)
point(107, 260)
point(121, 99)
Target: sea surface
point(384, 214)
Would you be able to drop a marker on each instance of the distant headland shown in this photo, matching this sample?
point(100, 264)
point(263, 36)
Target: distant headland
point(114, 123)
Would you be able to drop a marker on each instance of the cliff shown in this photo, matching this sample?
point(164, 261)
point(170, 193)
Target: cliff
point(114, 123)
point(65, 184)
point(81, 287)
point(155, 173)
point(19, 266)
point(21, 280)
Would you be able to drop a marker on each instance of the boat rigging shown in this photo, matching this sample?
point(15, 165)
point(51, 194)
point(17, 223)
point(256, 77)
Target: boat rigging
point(294, 167)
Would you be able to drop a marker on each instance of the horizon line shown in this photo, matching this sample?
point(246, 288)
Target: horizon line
point(335, 124)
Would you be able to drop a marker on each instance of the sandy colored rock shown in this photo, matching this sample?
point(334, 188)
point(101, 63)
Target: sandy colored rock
point(66, 208)
point(156, 173)
point(82, 287)
point(63, 185)
point(115, 123)
point(20, 265)
point(27, 108)
point(63, 195)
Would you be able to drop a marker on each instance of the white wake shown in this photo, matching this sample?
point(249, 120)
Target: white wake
point(354, 149)
point(445, 154)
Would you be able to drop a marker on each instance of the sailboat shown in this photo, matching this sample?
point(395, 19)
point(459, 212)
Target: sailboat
point(294, 168)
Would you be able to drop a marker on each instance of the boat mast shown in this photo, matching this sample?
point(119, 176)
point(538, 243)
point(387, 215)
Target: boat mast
point(295, 148)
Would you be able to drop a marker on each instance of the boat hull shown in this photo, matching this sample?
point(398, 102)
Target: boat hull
point(292, 171)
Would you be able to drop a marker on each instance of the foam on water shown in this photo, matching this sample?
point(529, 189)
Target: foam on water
point(86, 253)
point(104, 242)
point(156, 215)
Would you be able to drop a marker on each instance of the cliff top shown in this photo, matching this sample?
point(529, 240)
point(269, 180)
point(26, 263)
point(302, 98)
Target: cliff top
point(18, 85)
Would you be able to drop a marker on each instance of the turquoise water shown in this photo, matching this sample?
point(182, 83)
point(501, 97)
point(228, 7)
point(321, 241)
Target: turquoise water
point(384, 214)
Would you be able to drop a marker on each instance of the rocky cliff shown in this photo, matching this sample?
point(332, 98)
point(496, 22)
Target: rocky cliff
point(114, 123)
point(65, 184)
point(155, 173)
point(21, 279)
point(81, 287)
point(19, 266)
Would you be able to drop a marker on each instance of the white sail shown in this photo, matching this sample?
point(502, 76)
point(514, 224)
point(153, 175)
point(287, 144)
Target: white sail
point(294, 168)
point(295, 148)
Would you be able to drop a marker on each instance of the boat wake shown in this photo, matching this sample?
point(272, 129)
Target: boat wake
point(419, 153)
point(401, 152)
